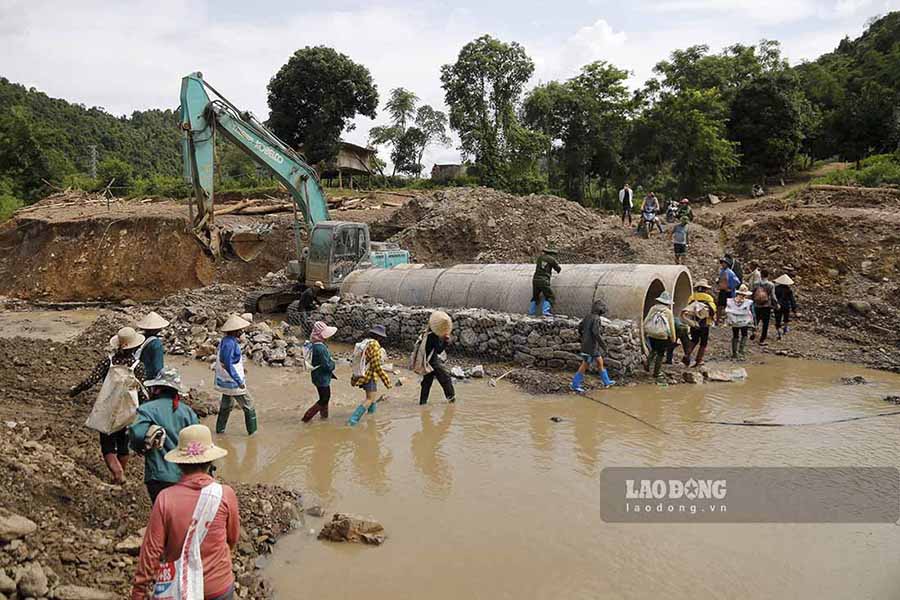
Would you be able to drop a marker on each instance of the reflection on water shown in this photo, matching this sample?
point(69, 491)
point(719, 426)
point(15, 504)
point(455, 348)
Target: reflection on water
point(490, 498)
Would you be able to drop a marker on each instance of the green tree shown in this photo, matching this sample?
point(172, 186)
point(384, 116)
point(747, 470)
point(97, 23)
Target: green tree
point(402, 107)
point(116, 172)
point(483, 89)
point(315, 96)
point(23, 163)
point(866, 121)
point(585, 121)
point(682, 134)
point(433, 126)
point(766, 123)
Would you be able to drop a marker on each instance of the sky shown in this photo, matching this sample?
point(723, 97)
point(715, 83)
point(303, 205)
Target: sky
point(130, 55)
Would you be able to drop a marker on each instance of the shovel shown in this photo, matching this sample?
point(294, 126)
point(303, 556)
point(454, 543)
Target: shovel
point(493, 382)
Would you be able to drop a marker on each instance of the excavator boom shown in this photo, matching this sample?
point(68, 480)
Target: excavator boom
point(201, 119)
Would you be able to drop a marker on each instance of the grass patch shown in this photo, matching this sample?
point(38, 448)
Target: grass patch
point(876, 171)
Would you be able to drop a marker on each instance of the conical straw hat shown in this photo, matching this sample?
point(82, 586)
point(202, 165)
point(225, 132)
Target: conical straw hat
point(152, 322)
point(234, 323)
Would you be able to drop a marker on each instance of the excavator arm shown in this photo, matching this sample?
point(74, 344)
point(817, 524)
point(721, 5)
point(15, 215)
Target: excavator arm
point(201, 119)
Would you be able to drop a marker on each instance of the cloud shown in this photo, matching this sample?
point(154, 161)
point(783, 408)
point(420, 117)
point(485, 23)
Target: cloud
point(758, 11)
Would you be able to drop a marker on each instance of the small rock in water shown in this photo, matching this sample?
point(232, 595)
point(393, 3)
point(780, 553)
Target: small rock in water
point(726, 375)
point(353, 528)
point(692, 377)
point(556, 419)
point(892, 399)
point(458, 373)
point(855, 380)
point(315, 511)
point(477, 372)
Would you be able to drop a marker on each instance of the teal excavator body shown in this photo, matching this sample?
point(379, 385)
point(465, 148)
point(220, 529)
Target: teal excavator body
point(336, 248)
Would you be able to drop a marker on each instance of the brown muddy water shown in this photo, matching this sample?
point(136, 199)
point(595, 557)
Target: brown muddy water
point(490, 498)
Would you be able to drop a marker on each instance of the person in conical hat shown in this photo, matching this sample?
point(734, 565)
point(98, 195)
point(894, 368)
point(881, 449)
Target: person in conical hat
point(210, 574)
point(123, 347)
point(369, 353)
point(739, 316)
point(322, 369)
point(152, 351)
point(231, 378)
point(786, 304)
point(156, 428)
point(440, 326)
point(700, 333)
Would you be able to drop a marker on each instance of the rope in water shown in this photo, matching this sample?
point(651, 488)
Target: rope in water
point(627, 414)
point(756, 424)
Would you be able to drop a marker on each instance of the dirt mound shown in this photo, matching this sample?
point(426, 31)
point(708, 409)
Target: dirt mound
point(483, 225)
point(74, 247)
point(51, 473)
point(848, 197)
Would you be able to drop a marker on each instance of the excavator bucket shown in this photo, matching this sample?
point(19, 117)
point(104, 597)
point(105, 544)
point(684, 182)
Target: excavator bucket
point(244, 242)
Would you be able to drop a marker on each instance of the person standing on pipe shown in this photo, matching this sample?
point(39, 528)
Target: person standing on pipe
point(540, 284)
point(592, 348)
point(440, 326)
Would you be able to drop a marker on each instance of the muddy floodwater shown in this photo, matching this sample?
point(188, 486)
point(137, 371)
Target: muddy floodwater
point(491, 498)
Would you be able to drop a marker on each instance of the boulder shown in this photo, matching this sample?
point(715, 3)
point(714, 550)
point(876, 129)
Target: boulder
point(458, 372)
point(713, 199)
point(353, 528)
point(477, 372)
point(13, 526)
point(32, 581)
point(726, 375)
point(692, 377)
point(854, 380)
point(77, 592)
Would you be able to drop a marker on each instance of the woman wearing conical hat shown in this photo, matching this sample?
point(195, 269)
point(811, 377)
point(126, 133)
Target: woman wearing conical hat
point(152, 352)
point(786, 304)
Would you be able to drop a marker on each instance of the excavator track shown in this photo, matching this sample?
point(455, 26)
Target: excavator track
point(271, 300)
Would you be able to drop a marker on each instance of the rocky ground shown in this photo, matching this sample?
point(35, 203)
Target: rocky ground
point(62, 524)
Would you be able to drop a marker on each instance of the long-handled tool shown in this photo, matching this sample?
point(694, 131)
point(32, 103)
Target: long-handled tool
point(493, 382)
point(627, 414)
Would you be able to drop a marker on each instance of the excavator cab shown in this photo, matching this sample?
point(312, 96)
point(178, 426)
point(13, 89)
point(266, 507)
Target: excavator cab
point(335, 249)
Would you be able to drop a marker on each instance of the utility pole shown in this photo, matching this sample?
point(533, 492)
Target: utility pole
point(93, 149)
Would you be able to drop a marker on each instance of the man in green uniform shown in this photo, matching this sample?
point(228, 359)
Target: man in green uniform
point(540, 283)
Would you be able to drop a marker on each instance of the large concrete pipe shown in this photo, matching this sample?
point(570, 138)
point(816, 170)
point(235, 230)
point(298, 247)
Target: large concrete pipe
point(628, 290)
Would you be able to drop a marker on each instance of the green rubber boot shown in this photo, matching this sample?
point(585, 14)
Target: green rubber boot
point(250, 420)
point(222, 418)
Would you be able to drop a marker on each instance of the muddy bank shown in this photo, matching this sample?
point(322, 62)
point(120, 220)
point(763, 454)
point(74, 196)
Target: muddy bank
point(51, 473)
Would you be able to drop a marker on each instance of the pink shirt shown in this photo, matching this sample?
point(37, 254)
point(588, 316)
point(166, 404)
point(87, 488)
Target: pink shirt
point(169, 522)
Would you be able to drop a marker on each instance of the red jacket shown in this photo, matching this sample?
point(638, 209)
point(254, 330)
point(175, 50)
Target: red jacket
point(169, 522)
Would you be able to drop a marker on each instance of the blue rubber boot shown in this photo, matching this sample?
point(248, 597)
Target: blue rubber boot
point(545, 308)
point(577, 381)
point(604, 377)
point(357, 415)
point(532, 308)
point(372, 408)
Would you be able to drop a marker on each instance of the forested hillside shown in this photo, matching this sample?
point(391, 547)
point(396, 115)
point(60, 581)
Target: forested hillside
point(43, 138)
point(707, 117)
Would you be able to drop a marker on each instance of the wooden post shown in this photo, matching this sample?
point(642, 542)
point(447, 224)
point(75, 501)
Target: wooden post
point(340, 180)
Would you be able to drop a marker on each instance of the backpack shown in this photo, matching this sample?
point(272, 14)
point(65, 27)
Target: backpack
point(418, 360)
point(117, 401)
point(695, 314)
point(761, 295)
point(182, 579)
point(358, 359)
point(306, 356)
point(656, 326)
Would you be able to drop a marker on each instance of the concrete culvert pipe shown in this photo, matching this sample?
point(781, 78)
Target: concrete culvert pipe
point(628, 290)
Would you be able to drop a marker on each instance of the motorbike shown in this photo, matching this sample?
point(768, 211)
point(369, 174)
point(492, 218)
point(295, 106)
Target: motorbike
point(648, 221)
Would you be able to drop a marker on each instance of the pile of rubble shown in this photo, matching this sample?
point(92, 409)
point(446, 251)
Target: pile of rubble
point(67, 534)
point(532, 341)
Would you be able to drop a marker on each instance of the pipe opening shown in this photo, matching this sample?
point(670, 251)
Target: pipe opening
point(655, 288)
point(682, 291)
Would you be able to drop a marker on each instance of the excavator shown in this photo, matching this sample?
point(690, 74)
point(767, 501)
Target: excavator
point(335, 248)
